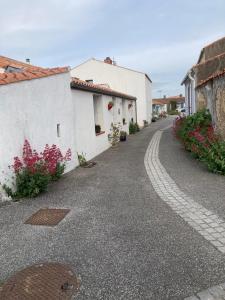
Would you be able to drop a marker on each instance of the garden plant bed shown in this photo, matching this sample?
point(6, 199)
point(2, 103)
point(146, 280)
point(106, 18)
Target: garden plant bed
point(198, 135)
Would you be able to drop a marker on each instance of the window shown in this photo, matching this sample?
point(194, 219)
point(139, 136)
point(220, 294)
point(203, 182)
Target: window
point(58, 130)
point(98, 114)
point(124, 112)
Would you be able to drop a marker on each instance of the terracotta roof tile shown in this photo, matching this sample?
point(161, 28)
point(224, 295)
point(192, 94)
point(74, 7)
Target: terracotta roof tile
point(6, 78)
point(210, 59)
point(215, 75)
point(168, 99)
point(6, 62)
point(98, 88)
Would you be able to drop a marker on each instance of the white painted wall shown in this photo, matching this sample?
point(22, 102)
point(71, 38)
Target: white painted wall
point(190, 104)
point(87, 141)
point(31, 110)
point(120, 79)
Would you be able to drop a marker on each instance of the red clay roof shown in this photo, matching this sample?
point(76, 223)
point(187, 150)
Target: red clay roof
point(159, 101)
point(6, 62)
point(6, 78)
point(215, 75)
point(167, 100)
point(97, 88)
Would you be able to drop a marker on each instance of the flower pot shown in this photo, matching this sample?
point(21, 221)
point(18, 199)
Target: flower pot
point(110, 105)
point(123, 138)
point(97, 128)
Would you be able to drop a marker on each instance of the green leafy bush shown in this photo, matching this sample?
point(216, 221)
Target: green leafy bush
point(82, 160)
point(197, 134)
point(31, 185)
point(133, 128)
point(34, 171)
point(137, 127)
point(114, 135)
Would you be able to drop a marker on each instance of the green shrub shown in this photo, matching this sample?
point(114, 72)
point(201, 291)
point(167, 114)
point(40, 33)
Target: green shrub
point(197, 134)
point(34, 171)
point(29, 184)
point(114, 135)
point(132, 128)
point(137, 128)
point(82, 160)
point(173, 112)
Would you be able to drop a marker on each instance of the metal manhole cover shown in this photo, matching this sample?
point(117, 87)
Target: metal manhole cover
point(47, 216)
point(50, 281)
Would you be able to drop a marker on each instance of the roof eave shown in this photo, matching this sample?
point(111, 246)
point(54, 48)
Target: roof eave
point(74, 85)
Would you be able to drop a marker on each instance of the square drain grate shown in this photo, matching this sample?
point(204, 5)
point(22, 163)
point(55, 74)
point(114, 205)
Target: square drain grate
point(47, 216)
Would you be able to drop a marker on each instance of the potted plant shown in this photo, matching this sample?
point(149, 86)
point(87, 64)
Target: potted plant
point(97, 128)
point(110, 105)
point(123, 136)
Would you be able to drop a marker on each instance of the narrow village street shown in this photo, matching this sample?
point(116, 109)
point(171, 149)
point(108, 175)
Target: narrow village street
point(133, 229)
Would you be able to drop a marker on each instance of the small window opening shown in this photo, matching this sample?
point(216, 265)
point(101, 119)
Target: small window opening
point(58, 130)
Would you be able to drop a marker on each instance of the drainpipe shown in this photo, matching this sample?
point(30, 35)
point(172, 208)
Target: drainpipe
point(136, 109)
point(192, 102)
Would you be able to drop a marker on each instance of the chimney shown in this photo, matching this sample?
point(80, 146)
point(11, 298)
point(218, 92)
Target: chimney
point(108, 60)
point(27, 60)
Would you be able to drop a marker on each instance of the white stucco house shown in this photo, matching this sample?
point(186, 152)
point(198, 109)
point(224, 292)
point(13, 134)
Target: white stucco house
point(189, 83)
point(131, 82)
point(91, 108)
point(47, 106)
point(35, 106)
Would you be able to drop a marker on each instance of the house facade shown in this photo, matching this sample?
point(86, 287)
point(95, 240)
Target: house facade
point(120, 79)
point(35, 106)
point(167, 104)
point(47, 106)
point(189, 83)
point(210, 62)
point(209, 83)
point(91, 108)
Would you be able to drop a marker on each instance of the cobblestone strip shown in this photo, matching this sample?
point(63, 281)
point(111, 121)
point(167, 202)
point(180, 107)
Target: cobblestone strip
point(214, 293)
point(209, 225)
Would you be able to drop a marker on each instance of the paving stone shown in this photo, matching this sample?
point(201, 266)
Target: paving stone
point(204, 223)
point(205, 295)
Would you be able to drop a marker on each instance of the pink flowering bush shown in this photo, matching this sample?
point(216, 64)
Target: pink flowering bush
point(34, 171)
point(198, 136)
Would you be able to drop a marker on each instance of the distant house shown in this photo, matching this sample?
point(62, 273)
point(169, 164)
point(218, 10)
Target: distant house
point(167, 104)
point(208, 77)
point(122, 79)
point(47, 106)
point(189, 82)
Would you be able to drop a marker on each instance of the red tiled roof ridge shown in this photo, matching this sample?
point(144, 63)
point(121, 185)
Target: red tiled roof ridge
point(170, 97)
point(7, 78)
point(6, 61)
point(99, 87)
point(208, 45)
point(213, 76)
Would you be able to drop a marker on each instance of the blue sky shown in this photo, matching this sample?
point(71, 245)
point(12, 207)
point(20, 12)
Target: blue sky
point(162, 38)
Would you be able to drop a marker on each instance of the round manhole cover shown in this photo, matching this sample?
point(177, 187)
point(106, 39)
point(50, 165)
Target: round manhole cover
point(49, 281)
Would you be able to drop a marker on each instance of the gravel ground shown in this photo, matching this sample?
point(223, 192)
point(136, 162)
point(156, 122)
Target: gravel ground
point(120, 238)
point(192, 176)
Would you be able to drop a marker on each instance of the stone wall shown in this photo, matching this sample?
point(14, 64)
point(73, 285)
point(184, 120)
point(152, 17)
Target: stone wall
point(212, 96)
point(215, 48)
point(207, 69)
point(219, 104)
